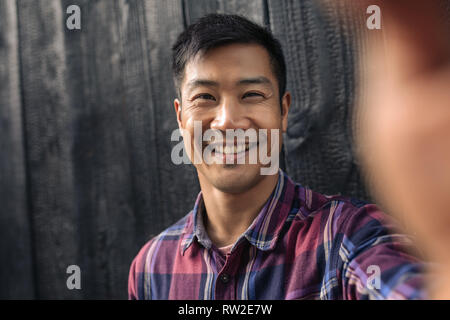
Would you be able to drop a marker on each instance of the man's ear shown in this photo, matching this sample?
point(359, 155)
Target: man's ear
point(177, 106)
point(285, 105)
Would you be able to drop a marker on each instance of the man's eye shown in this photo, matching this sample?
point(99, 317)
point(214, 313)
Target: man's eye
point(252, 94)
point(205, 96)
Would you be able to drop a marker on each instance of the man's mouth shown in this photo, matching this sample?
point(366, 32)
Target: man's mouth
point(232, 149)
point(231, 152)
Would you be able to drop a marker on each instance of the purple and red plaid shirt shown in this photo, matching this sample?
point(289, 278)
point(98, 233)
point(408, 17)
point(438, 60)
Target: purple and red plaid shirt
point(302, 245)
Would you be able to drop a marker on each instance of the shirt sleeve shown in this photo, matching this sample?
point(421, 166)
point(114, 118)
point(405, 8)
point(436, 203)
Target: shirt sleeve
point(132, 285)
point(136, 286)
point(375, 260)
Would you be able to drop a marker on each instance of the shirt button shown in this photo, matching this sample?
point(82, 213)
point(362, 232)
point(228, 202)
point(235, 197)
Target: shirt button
point(225, 278)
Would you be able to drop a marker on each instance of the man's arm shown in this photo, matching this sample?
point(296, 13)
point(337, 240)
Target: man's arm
point(136, 278)
point(132, 284)
point(375, 261)
point(404, 134)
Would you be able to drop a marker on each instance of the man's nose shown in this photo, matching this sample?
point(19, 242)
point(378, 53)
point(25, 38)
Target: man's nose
point(230, 115)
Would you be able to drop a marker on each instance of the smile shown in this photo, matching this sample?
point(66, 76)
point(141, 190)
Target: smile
point(238, 146)
point(232, 149)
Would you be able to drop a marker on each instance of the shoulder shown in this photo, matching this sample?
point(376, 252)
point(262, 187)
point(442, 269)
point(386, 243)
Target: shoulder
point(166, 242)
point(168, 237)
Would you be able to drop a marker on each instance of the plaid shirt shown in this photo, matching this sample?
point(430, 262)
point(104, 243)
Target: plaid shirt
point(302, 245)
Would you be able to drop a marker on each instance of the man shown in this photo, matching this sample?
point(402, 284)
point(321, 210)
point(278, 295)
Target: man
point(256, 236)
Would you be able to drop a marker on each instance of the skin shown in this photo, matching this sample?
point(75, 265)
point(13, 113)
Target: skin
point(405, 130)
point(212, 91)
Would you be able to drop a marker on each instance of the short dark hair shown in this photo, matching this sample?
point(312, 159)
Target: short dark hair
point(214, 30)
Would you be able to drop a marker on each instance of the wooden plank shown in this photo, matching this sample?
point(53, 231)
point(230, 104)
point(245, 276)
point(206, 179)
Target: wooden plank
point(16, 272)
point(122, 96)
point(320, 60)
point(253, 9)
point(178, 185)
point(48, 127)
point(162, 191)
point(101, 153)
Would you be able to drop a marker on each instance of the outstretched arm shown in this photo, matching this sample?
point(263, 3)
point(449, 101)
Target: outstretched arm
point(405, 131)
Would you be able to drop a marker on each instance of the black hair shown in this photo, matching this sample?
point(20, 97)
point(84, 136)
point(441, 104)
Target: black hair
point(214, 30)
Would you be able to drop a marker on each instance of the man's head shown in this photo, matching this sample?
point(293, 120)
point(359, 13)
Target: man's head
point(215, 30)
point(230, 74)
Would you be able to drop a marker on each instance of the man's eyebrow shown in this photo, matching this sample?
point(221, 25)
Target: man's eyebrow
point(256, 80)
point(202, 82)
point(210, 83)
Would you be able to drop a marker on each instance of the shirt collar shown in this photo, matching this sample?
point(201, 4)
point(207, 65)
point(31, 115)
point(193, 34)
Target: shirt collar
point(264, 230)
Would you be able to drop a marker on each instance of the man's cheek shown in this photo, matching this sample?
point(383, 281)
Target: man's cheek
point(269, 152)
point(188, 144)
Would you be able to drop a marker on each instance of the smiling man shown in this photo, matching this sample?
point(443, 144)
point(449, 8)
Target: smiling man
point(252, 235)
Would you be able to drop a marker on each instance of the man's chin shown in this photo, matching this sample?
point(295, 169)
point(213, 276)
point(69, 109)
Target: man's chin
point(234, 186)
point(235, 178)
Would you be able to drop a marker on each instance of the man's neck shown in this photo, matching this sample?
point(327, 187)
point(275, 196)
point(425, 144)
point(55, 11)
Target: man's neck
point(229, 215)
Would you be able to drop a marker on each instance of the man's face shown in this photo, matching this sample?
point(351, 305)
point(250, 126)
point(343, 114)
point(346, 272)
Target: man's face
point(231, 87)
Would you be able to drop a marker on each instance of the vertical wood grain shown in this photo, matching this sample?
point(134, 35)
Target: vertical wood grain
point(16, 250)
point(253, 10)
point(49, 137)
point(320, 59)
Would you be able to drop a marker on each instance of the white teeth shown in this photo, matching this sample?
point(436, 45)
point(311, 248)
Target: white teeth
point(231, 149)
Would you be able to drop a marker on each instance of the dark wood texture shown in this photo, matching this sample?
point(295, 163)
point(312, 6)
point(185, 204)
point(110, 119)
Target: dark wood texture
point(16, 250)
point(49, 136)
point(320, 55)
point(86, 117)
point(254, 10)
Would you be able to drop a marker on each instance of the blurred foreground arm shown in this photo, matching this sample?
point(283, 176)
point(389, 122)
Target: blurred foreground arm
point(404, 136)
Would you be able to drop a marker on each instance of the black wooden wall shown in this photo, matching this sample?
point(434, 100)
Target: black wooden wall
point(85, 123)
